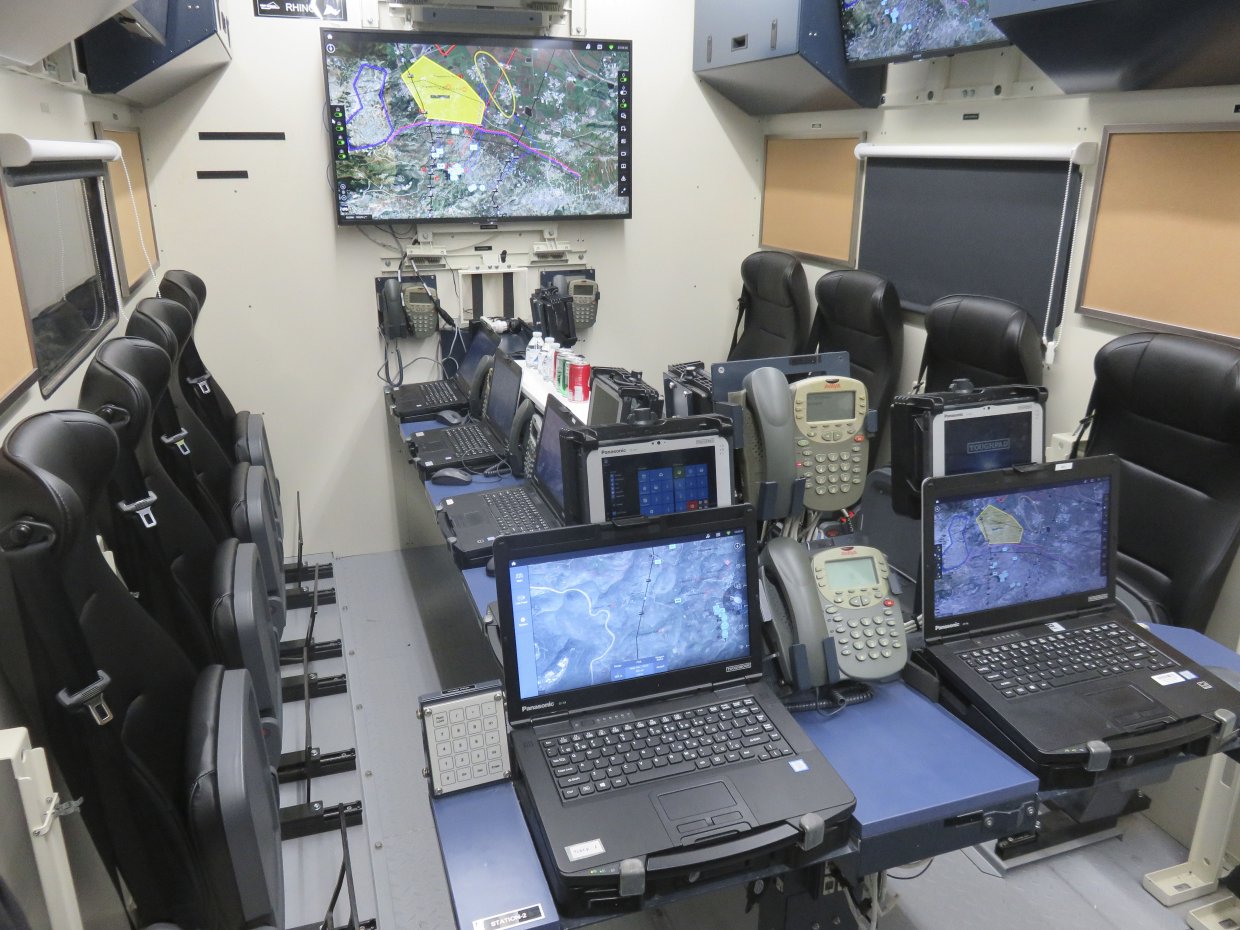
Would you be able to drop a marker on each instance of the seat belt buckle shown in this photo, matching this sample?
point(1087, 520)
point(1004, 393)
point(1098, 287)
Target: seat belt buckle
point(177, 439)
point(202, 382)
point(141, 507)
point(90, 697)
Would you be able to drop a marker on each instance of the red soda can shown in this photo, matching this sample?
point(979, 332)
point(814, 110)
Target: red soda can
point(579, 379)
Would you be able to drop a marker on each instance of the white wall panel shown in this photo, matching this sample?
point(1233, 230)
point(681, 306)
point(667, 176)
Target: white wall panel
point(289, 324)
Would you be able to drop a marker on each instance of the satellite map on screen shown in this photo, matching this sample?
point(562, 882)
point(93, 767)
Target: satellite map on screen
point(627, 613)
point(879, 30)
point(1019, 548)
point(474, 128)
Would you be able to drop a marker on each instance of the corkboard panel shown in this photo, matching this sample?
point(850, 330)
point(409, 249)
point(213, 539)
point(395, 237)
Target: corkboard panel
point(1165, 237)
point(132, 221)
point(809, 196)
point(17, 367)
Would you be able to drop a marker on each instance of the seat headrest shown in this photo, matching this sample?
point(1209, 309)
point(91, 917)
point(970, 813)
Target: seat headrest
point(53, 468)
point(1188, 383)
point(131, 375)
point(775, 277)
point(987, 333)
point(153, 315)
point(188, 282)
point(857, 300)
point(173, 287)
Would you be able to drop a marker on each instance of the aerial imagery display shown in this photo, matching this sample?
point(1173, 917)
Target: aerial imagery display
point(1018, 548)
point(471, 127)
point(878, 30)
point(624, 614)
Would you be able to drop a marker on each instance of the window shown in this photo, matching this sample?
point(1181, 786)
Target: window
point(64, 260)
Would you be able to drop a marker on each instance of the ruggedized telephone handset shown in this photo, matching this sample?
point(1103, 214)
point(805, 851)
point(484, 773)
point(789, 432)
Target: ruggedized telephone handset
point(831, 442)
point(768, 450)
point(832, 614)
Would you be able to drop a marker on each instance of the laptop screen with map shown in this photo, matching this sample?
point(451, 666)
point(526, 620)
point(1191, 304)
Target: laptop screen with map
point(597, 614)
point(1008, 546)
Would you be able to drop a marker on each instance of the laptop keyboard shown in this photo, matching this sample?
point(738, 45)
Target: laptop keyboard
point(1058, 659)
point(440, 392)
point(514, 512)
point(611, 758)
point(469, 439)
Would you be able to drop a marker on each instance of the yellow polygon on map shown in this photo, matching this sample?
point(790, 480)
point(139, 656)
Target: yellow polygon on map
point(442, 95)
point(999, 527)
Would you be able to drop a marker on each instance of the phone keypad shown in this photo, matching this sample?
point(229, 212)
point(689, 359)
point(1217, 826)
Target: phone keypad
point(864, 621)
point(831, 454)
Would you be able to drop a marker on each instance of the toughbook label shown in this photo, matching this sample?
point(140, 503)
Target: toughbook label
point(585, 850)
point(517, 918)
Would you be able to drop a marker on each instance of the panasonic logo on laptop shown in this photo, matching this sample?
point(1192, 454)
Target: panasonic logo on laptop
point(543, 706)
point(948, 626)
point(1096, 597)
point(740, 667)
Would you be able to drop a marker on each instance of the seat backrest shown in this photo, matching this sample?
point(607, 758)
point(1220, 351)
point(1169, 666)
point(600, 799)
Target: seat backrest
point(778, 312)
point(1169, 407)
point(169, 325)
point(189, 290)
point(256, 519)
point(251, 445)
point(241, 623)
point(53, 470)
point(984, 339)
point(234, 804)
point(170, 563)
point(859, 313)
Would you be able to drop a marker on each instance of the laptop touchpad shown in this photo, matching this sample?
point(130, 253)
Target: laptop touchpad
point(704, 812)
point(1126, 706)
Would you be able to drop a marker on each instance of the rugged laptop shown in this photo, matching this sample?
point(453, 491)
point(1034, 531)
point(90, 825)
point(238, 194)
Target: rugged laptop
point(423, 400)
point(650, 753)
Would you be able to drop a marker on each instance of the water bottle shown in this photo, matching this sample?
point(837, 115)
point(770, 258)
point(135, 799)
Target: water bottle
point(533, 351)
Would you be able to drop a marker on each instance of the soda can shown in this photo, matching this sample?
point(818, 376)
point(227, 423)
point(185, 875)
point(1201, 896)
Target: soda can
point(579, 379)
point(561, 372)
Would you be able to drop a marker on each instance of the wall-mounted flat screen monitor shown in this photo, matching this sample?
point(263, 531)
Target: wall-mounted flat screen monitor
point(877, 31)
point(429, 127)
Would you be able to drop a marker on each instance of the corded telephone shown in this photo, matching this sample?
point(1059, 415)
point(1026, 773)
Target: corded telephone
point(768, 450)
point(831, 442)
point(584, 294)
point(419, 301)
point(832, 614)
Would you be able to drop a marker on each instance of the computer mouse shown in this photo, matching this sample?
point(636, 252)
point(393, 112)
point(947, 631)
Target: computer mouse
point(451, 476)
point(451, 417)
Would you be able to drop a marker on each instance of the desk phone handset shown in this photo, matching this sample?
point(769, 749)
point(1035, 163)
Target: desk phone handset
point(832, 614)
point(831, 442)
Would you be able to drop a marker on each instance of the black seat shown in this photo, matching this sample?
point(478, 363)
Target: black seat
point(774, 307)
point(1169, 407)
point(241, 434)
point(116, 696)
point(234, 805)
point(169, 325)
point(208, 595)
point(256, 519)
point(859, 313)
point(983, 339)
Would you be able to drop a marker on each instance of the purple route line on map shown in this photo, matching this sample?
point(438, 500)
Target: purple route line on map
point(394, 132)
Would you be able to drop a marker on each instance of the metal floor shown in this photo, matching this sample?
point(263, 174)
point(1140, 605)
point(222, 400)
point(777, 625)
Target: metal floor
point(400, 644)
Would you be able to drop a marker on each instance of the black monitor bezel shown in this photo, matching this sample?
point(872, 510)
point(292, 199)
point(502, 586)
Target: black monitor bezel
point(465, 38)
point(919, 55)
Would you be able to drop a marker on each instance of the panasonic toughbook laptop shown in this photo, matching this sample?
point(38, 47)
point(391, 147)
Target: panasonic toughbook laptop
point(474, 445)
point(1022, 623)
point(423, 400)
point(648, 748)
point(473, 521)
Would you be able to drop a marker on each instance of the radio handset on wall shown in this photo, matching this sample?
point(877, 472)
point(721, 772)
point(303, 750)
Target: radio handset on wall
point(832, 614)
point(832, 446)
point(768, 437)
